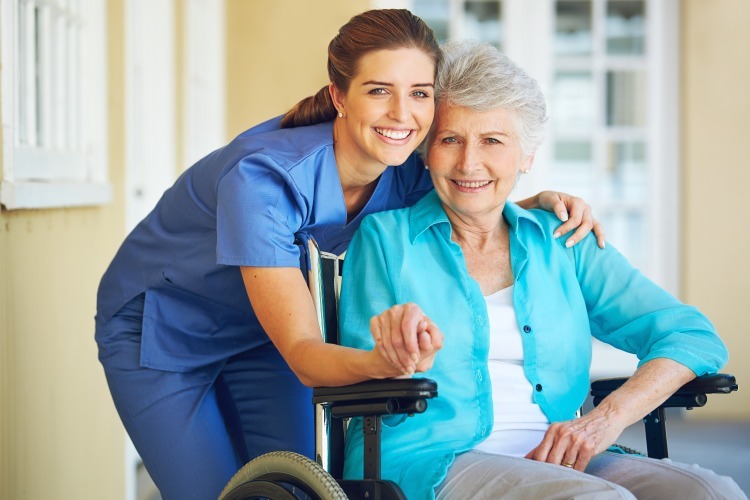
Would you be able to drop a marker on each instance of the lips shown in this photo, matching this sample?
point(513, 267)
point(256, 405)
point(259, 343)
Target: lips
point(397, 135)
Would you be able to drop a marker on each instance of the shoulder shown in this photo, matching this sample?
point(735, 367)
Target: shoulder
point(284, 147)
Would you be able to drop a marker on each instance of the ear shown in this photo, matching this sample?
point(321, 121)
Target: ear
point(527, 163)
point(337, 96)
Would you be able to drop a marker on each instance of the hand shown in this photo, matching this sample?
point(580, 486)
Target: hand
point(575, 213)
point(406, 338)
point(575, 442)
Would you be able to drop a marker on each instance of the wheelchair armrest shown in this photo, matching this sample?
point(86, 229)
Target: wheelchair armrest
point(692, 394)
point(377, 397)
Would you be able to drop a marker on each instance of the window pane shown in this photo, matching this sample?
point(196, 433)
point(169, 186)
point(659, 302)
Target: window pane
point(626, 230)
point(626, 27)
point(626, 99)
point(626, 178)
point(573, 28)
point(573, 170)
point(572, 103)
point(436, 13)
point(483, 22)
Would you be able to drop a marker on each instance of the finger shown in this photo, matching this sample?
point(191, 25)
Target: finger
point(585, 453)
point(559, 209)
point(410, 321)
point(436, 336)
point(601, 237)
point(385, 325)
point(377, 334)
point(425, 342)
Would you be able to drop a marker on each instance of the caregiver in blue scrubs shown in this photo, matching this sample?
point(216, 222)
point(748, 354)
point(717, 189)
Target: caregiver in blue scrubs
point(204, 323)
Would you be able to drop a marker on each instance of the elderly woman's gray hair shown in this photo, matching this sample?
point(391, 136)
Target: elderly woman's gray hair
point(478, 76)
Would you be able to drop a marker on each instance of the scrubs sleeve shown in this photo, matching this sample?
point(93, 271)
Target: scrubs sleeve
point(632, 313)
point(259, 211)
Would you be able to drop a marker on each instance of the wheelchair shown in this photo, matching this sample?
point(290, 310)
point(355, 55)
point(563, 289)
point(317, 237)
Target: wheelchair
point(289, 476)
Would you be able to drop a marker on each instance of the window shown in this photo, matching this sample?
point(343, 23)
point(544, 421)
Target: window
point(609, 71)
point(53, 103)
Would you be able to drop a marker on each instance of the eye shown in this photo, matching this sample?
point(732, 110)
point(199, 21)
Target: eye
point(378, 91)
point(421, 94)
point(492, 140)
point(448, 140)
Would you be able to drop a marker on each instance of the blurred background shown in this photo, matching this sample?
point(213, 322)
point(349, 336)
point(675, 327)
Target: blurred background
point(105, 102)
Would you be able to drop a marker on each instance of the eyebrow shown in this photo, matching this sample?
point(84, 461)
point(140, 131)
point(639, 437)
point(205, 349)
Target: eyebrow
point(387, 84)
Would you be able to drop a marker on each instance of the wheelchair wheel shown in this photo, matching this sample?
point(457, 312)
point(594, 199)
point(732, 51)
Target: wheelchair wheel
point(282, 475)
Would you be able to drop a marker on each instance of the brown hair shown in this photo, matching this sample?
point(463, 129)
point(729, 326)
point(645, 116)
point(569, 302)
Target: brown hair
point(379, 29)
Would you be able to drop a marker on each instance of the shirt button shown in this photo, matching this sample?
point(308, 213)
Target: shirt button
point(539, 387)
point(484, 430)
point(480, 320)
point(527, 329)
point(479, 375)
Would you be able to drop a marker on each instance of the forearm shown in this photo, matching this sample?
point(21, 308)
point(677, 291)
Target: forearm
point(652, 384)
point(318, 364)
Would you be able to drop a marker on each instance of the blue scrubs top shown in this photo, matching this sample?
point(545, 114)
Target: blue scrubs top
point(241, 205)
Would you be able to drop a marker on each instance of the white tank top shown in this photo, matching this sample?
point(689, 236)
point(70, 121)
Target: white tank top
point(519, 423)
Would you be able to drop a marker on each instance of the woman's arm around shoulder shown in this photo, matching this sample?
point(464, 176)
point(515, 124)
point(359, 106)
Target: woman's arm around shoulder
point(574, 212)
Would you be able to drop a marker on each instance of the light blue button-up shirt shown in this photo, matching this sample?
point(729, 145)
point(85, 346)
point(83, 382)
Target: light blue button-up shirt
point(562, 298)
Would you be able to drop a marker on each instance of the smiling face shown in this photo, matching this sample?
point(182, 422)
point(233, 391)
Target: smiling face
point(388, 109)
point(475, 159)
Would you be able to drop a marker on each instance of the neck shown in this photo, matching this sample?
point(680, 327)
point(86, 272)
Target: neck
point(478, 233)
point(358, 175)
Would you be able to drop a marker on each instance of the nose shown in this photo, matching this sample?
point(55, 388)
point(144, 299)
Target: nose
point(469, 159)
point(399, 109)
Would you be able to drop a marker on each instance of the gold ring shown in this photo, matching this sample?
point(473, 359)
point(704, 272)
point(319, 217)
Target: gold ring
point(570, 466)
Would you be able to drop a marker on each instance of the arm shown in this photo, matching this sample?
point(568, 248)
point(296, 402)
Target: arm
point(577, 441)
point(574, 212)
point(673, 341)
point(282, 303)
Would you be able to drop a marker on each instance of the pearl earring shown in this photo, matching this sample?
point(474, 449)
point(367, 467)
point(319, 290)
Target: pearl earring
point(341, 115)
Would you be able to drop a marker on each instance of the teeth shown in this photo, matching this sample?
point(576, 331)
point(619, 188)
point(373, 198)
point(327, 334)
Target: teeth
point(473, 184)
point(393, 134)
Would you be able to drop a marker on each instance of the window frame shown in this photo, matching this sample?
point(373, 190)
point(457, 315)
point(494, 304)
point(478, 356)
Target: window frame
point(60, 160)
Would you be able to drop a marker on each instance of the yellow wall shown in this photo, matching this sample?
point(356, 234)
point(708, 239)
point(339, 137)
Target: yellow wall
point(715, 131)
point(60, 436)
point(276, 54)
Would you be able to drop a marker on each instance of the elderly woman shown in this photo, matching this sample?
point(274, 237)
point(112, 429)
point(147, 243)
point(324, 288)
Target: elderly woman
point(518, 309)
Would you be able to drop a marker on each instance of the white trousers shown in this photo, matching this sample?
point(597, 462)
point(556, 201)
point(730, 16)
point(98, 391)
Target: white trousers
point(478, 475)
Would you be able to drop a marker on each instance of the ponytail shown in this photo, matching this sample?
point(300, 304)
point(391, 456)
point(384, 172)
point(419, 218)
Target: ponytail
point(311, 110)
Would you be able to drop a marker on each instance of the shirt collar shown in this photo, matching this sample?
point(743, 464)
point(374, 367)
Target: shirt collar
point(429, 212)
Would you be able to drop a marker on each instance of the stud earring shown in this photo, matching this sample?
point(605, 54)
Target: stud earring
point(341, 115)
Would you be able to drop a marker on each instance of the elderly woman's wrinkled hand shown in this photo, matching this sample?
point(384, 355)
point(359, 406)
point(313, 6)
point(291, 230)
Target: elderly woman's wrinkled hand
point(575, 214)
point(575, 442)
point(406, 338)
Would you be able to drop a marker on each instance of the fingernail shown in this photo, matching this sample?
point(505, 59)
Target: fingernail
point(415, 357)
point(563, 216)
point(569, 243)
point(556, 234)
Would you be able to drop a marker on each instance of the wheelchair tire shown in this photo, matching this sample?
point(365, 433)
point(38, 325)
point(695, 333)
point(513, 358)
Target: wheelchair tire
point(298, 475)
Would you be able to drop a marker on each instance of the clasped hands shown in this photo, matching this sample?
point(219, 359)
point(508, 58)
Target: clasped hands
point(406, 338)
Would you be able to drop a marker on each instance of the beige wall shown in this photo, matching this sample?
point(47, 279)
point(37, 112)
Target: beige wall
point(59, 433)
point(276, 53)
point(715, 131)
